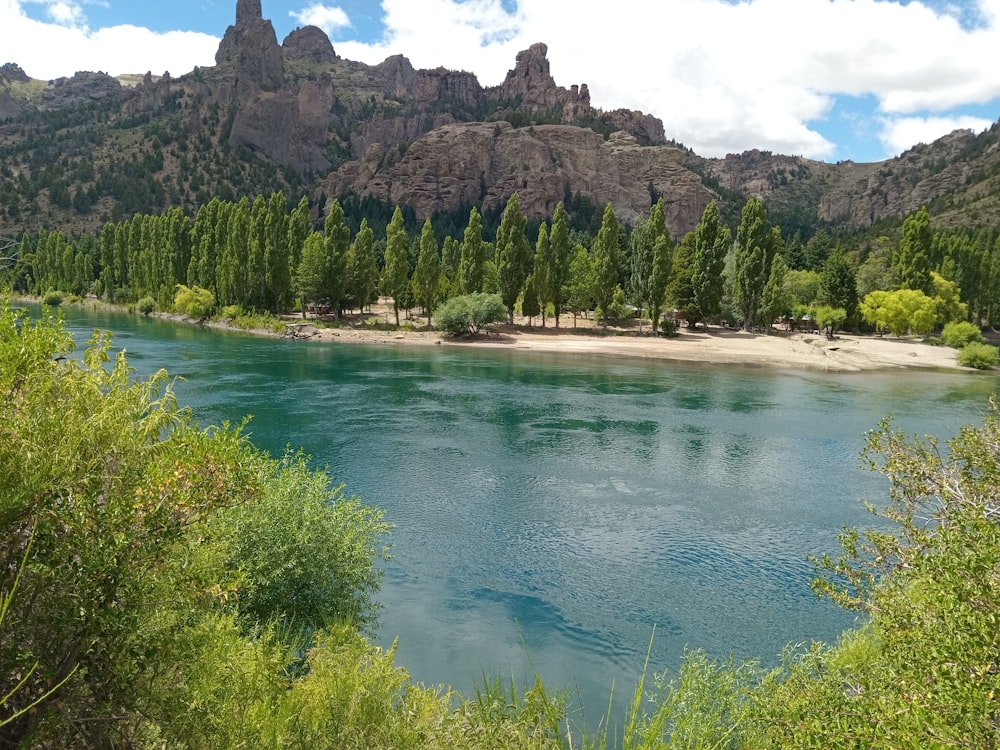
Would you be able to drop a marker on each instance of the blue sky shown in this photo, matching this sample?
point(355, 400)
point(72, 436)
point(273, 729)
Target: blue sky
point(826, 79)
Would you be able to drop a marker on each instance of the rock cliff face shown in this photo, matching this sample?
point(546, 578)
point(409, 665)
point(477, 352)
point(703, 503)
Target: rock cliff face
point(484, 163)
point(251, 48)
point(80, 89)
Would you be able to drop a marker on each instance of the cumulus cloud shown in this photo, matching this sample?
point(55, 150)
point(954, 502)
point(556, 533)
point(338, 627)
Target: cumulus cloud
point(330, 18)
point(899, 134)
point(51, 50)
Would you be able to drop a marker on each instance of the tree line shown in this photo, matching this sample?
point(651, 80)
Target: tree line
point(263, 255)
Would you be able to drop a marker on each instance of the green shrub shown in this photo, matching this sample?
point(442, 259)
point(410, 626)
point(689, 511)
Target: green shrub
point(960, 333)
point(668, 327)
point(231, 312)
point(52, 299)
point(980, 356)
point(146, 305)
point(469, 313)
point(194, 302)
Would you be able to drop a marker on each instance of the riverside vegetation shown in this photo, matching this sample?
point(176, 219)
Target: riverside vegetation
point(169, 585)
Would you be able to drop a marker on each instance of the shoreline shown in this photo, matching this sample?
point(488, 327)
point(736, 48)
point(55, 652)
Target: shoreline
point(846, 353)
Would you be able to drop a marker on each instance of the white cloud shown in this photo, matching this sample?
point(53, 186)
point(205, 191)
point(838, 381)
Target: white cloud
point(899, 134)
point(328, 18)
point(47, 50)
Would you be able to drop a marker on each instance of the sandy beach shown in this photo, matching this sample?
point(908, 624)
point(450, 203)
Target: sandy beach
point(715, 345)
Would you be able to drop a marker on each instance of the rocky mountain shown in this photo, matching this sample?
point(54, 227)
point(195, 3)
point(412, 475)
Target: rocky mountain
point(297, 117)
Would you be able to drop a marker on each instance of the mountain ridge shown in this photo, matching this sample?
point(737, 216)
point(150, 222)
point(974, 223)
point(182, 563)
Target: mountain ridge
point(296, 116)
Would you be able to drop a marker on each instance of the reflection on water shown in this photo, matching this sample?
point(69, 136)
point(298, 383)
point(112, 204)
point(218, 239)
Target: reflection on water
point(569, 505)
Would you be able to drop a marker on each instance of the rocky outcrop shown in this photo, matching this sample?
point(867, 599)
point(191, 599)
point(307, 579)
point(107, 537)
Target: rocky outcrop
point(531, 88)
point(484, 163)
point(13, 73)
point(82, 88)
point(308, 43)
point(251, 48)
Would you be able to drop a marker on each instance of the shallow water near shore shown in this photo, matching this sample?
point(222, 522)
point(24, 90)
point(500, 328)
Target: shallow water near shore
point(550, 511)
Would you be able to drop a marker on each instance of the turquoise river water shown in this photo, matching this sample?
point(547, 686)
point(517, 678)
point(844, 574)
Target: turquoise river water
point(550, 511)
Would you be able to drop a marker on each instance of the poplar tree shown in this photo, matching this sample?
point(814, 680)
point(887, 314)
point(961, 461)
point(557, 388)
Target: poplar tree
point(338, 240)
point(580, 283)
point(912, 260)
point(426, 275)
point(396, 271)
point(606, 262)
point(310, 277)
point(365, 273)
point(543, 277)
point(559, 246)
point(473, 256)
point(277, 260)
point(513, 254)
point(751, 262)
point(298, 231)
point(712, 239)
point(838, 286)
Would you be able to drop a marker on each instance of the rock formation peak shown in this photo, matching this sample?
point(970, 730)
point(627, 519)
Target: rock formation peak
point(248, 10)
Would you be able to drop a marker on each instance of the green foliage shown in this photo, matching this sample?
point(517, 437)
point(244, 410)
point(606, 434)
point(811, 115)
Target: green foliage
point(947, 300)
point(146, 305)
point(902, 311)
point(606, 262)
point(580, 282)
point(52, 299)
point(194, 302)
point(470, 313)
point(829, 319)
point(427, 275)
point(912, 262)
point(752, 257)
point(979, 356)
point(838, 285)
point(513, 254)
point(668, 327)
point(959, 333)
point(396, 271)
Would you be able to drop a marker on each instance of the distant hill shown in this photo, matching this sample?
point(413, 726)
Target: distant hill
point(79, 151)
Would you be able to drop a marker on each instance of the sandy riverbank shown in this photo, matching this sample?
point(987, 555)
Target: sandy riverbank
point(845, 353)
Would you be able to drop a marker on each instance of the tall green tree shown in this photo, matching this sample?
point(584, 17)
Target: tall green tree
point(513, 254)
point(427, 274)
point(912, 260)
point(298, 230)
point(543, 277)
point(338, 241)
point(473, 256)
point(752, 258)
point(365, 271)
point(277, 257)
point(606, 262)
point(774, 301)
point(580, 283)
point(396, 272)
point(712, 240)
point(838, 285)
point(311, 275)
point(560, 250)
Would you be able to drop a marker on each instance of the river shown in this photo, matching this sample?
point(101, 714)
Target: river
point(550, 511)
